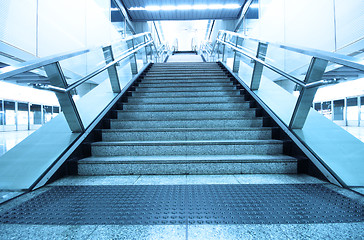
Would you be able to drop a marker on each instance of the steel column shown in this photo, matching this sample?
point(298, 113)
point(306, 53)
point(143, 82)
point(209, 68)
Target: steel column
point(258, 67)
point(112, 71)
point(236, 63)
point(56, 78)
point(133, 59)
point(304, 101)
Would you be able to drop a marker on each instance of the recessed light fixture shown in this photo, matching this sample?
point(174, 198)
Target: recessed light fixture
point(186, 7)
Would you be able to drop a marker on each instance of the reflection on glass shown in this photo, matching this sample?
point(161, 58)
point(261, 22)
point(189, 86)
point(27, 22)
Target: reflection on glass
point(326, 109)
point(47, 113)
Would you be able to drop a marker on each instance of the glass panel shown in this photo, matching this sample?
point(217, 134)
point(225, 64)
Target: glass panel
point(362, 108)
point(339, 109)
point(23, 115)
point(246, 64)
point(47, 113)
point(35, 114)
point(229, 53)
point(2, 113)
point(352, 109)
point(55, 111)
point(326, 109)
point(80, 66)
point(292, 63)
point(10, 114)
point(317, 107)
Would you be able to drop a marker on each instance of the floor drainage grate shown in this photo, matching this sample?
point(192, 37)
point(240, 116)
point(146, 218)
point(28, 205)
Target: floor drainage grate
point(186, 204)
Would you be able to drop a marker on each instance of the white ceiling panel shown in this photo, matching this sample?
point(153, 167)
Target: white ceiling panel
point(143, 15)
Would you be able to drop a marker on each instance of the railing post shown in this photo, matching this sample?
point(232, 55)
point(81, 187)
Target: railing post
point(315, 71)
point(112, 71)
point(133, 59)
point(258, 67)
point(56, 78)
point(236, 63)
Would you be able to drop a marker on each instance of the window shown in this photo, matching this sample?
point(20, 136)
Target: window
point(47, 113)
point(1, 113)
point(23, 113)
point(362, 108)
point(352, 109)
point(10, 113)
point(35, 114)
point(317, 107)
point(339, 109)
point(326, 109)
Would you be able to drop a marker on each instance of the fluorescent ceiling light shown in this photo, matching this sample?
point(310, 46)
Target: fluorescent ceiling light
point(186, 7)
point(168, 8)
point(152, 8)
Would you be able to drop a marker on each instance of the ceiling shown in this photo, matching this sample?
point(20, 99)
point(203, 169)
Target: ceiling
point(143, 15)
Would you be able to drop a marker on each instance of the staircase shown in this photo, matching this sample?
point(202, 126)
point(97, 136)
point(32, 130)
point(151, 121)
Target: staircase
point(186, 118)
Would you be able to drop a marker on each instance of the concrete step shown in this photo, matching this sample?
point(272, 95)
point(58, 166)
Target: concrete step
point(198, 71)
point(169, 134)
point(185, 106)
point(185, 114)
point(189, 66)
point(175, 165)
point(185, 84)
point(186, 80)
point(185, 89)
point(174, 99)
point(192, 147)
point(186, 69)
point(204, 77)
point(187, 123)
point(187, 94)
point(189, 74)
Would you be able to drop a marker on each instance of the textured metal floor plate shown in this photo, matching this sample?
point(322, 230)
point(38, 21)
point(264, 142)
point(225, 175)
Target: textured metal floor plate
point(186, 204)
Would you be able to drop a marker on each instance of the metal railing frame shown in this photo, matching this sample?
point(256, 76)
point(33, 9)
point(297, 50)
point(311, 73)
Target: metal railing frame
point(313, 79)
point(58, 81)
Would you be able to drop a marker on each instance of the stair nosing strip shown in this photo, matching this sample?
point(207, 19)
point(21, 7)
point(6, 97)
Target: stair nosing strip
point(192, 119)
point(187, 142)
point(187, 129)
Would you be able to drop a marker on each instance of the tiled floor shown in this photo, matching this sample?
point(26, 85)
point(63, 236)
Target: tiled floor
point(236, 231)
point(188, 57)
point(358, 132)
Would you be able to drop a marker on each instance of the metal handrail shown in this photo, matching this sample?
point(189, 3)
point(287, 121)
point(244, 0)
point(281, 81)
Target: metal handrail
point(333, 57)
point(91, 75)
point(284, 74)
point(10, 71)
point(325, 55)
